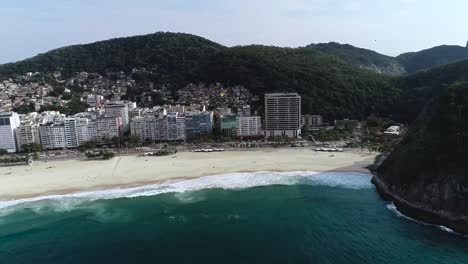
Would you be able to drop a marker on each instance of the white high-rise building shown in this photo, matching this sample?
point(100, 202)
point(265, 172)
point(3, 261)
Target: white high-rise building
point(83, 133)
point(161, 128)
point(27, 134)
point(108, 128)
point(53, 136)
point(249, 126)
point(282, 114)
point(8, 124)
point(71, 134)
point(137, 128)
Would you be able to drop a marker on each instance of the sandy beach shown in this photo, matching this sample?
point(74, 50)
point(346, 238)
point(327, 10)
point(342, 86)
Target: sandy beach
point(60, 177)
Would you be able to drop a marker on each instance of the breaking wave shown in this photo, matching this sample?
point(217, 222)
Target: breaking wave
point(226, 181)
point(394, 209)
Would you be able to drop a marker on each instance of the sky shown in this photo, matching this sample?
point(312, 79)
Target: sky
point(391, 27)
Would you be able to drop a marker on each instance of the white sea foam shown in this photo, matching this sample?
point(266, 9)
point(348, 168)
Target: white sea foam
point(394, 209)
point(225, 181)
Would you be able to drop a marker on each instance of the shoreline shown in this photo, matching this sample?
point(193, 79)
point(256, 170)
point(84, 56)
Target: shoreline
point(75, 176)
point(458, 225)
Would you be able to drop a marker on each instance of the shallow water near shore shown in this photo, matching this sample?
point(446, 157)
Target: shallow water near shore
point(296, 217)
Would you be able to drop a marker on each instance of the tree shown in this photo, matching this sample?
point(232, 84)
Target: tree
point(116, 141)
point(87, 146)
point(3, 152)
point(32, 147)
point(132, 140)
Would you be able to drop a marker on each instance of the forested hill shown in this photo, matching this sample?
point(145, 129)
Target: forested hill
point(429, 169)
point(363, 58)
point(429, 58)
point(329, 85)
point(332, 86)
point(418, 88)
point(167, 52)
point(405, 64)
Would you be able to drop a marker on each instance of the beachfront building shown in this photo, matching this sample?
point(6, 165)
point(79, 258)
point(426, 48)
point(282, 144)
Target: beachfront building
point(53, 136)
point(71, 134)
point(282, 114)
point(312, 120)
point(198, 124)
point(228, 125)
point(108, 128)
point(86, 130)
point(249, 126)
point(8, 124)
point(119, 109)
point(137, 125)
point(176, 127)
point(165, 127)
point(27, 134)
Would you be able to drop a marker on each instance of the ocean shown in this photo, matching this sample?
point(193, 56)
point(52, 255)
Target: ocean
point(264, 217)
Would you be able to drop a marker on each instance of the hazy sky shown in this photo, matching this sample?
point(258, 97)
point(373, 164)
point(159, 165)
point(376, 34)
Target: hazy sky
point(29, 27)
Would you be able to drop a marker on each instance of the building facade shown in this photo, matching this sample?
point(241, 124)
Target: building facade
point(53, 136)
point(283, 114)
point(312, 120)
point(108, 128)
point(27, 134)
point(229, 125)
point(250, 126)
point(71, 135)
point(8, 124)
point(119, 109)
point(170, 127)
point(199, 124)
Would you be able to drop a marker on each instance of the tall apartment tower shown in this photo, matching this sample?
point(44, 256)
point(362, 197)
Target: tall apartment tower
point(71, 133)
point(119, 109)
point(282, 114)
point(8, 124)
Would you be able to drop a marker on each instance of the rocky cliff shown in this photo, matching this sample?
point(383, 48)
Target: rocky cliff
point(427, 176)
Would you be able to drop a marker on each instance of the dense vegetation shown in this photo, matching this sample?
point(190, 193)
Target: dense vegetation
point(330, 85)
point(409, 63)
point(429, 58)
point(165, 53)
point(419, 88)
point(429, 167)
point(363, 58)
point(327, 85)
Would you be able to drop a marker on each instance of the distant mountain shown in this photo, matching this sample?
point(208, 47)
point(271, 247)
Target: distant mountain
point(364, 58)
point(328, 85)
point(429, 58)
point(406, 63)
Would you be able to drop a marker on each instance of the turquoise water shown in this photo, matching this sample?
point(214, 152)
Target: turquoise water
point(242, 218)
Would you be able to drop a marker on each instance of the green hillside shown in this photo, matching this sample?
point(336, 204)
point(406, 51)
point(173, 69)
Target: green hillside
point(363, 58)
point(331, 85)
point(405, 64)
point(328, 85)
point(429, 168)
point(429, 58)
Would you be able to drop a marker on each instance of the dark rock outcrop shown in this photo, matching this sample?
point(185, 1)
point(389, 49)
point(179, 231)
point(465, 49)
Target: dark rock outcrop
point(427, 176)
